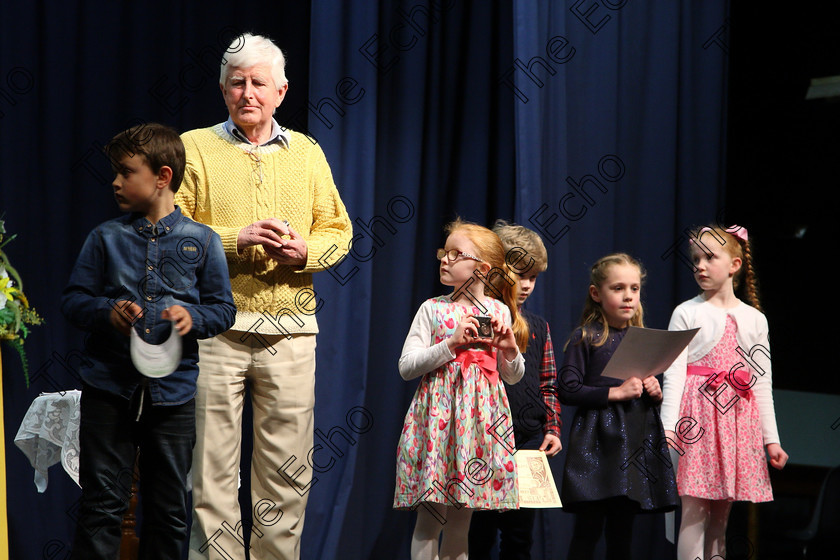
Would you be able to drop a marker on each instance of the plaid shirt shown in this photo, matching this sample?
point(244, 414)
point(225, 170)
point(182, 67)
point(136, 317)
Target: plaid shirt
point(548, 387)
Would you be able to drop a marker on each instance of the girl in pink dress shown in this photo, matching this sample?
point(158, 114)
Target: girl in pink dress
point(456, 449)
point(718, 403)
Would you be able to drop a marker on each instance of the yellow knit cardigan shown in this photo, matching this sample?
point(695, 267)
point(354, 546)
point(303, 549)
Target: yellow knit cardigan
point(230, 184)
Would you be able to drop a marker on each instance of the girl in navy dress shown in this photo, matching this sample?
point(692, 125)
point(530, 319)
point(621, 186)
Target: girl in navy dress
point(617, 463)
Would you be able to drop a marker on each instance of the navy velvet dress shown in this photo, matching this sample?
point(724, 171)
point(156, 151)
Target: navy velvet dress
point(617, 455)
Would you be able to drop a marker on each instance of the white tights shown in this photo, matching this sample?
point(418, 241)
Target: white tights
point(455, 524)
point(703, 529)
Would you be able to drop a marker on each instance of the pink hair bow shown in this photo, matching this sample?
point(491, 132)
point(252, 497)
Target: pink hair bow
point(740, 232)
point(737, 231)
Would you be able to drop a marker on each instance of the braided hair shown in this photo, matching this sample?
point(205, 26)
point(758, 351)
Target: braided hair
point(745, 279)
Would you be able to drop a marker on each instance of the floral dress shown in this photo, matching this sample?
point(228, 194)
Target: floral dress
point(457, 443)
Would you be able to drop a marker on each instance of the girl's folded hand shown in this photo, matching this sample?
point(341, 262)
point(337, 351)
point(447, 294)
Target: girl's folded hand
point(652, 387)
point(778, 457)
point(465, 333)
point(631, 389)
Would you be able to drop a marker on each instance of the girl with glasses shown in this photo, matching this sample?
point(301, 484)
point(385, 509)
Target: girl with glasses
point(456, 449)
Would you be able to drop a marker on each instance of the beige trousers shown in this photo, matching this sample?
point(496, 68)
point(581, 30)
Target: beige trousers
point(281, 373)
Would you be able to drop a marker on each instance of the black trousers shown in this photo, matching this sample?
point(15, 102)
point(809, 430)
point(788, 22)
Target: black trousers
point(615, 523)
point(515, 527)
point(109, 435)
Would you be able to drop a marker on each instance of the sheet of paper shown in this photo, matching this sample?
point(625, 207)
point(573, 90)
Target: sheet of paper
point(156, 360)
point(536, 484)
point(645, 352)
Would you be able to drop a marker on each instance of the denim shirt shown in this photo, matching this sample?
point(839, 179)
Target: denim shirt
point(176, 261)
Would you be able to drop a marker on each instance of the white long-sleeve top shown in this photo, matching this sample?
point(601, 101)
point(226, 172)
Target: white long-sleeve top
point(420, 354)
point(752, 338)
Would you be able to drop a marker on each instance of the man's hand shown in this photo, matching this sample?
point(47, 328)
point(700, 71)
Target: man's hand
point(292, 251)
point(182, 318)
point(551, 445)
point(124, 314)
point(265, 232)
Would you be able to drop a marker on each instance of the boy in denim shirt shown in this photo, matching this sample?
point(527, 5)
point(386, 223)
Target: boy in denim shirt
point(151, 270)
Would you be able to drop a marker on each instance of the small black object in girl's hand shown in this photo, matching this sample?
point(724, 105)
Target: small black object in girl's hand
point(485, 329)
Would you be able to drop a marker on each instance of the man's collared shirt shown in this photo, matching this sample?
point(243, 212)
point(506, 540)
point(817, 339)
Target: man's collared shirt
point(278, 134)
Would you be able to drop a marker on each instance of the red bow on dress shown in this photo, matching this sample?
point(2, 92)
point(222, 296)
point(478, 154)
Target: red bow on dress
point(484, 359)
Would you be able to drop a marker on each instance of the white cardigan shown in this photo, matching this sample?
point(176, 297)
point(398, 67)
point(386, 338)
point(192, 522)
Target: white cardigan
point(752, 332)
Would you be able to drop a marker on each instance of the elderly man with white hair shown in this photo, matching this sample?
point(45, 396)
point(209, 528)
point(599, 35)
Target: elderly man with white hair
point(269, 193)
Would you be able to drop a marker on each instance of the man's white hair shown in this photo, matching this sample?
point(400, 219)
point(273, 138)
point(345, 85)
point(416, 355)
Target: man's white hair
point(249, 50)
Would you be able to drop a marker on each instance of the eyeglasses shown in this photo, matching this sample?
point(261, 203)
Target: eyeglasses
point(453, 254)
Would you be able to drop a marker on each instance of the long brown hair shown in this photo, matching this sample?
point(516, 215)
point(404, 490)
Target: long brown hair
point(490, 250)
point(737, 249)
point(593, 320)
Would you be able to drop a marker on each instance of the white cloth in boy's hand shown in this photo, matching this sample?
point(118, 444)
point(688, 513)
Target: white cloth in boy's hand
point(156, 360)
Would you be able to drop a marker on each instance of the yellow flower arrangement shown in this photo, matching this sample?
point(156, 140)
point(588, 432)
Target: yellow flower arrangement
point(15, 313)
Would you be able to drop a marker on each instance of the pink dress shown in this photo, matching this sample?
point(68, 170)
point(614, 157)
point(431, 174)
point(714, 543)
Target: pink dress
point(726, 462)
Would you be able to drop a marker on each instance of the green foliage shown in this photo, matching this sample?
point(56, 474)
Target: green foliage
point(15, 313)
